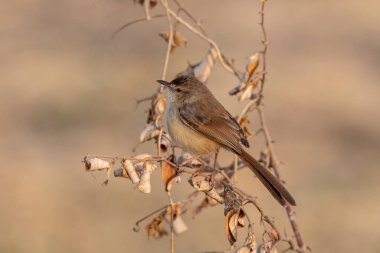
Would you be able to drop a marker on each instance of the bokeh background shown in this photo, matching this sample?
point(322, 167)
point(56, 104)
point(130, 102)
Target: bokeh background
point(67, 89)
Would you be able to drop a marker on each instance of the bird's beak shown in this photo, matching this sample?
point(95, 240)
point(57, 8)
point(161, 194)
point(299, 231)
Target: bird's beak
point(164, 83)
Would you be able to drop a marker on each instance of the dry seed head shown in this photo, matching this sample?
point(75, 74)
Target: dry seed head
point(131, 171)
point(96, 164)
point(144, 185)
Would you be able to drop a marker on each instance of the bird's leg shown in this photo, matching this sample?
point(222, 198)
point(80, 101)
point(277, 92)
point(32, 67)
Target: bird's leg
point(192, 158)
point(215, 158)
point(214, 168)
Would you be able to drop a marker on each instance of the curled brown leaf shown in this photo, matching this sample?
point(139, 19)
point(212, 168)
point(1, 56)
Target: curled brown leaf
point(231, 234)
point(168, 172)
point(131, 171)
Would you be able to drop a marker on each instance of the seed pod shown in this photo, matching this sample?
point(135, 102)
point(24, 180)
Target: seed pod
point(159, 105)
point(130, 169)
point(144, 185)
point(96, 164)
point(246, 81)
point(202, 70)
point(149, 132)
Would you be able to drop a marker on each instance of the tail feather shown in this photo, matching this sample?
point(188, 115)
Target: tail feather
point(275, 187)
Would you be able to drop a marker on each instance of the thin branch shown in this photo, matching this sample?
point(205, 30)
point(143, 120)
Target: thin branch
point(268, 140)
point(137, 224)
point(202, 36)
point(171, 222)
point(247, 109)
point(181, 7)
point(293, 223)
point(265, 43)
point(144, 99)
point(170, 39)
point(134, 22)
point(146, 9)
point(269, 143)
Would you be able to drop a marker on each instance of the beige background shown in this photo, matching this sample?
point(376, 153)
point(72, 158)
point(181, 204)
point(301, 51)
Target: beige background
point(68, 90)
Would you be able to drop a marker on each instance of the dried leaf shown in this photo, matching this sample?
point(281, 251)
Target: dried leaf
point(233, 221)
point(233, 225)
point(255, 81)
point(200, 183)
point(96, 164)
point(168, 173)
point(159, 104)
point(252, 65)
point(143, 157)
point(150, 131)
point(156, 228)
point(241, 218)
point(262, 248)
point(250, 245)
point(244, 249)
point(247, 85)
point(179, 226)
point(230, 233)
point(202, 69)
point(246, 94)
point(272, 233)
point(144, 185)
point(131, 171)
point(140, 161)
point(244, 124)
point(178, 39)
point(177, 211)
point(215, 196)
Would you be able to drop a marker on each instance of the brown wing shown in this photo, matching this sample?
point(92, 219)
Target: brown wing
point(221, 128)
point(218, 126)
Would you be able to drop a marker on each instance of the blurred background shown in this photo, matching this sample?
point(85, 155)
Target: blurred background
point(67, 90)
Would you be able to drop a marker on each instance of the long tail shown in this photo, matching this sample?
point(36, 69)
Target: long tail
point(275, 187)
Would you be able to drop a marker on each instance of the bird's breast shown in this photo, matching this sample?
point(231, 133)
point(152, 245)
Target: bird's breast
point(185, 137)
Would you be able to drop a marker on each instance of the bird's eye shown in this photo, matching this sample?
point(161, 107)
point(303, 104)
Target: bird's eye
point(178, 90)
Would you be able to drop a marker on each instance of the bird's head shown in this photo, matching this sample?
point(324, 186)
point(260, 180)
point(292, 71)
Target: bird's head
point(184, 87)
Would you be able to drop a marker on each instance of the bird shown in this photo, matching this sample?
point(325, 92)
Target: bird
point(199, 124)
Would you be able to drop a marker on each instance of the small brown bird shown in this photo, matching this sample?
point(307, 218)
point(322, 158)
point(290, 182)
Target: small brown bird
point(198, 123)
